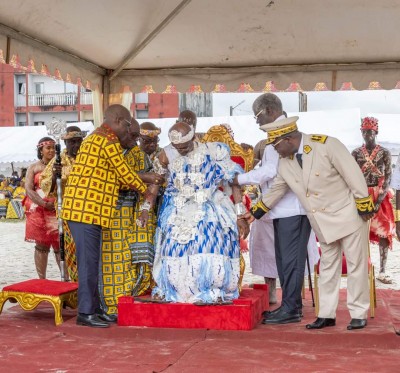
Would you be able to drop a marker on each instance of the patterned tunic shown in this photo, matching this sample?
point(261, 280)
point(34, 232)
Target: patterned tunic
point(92, 188)
point(197, 243)
point(377, 170)
point(127, 252)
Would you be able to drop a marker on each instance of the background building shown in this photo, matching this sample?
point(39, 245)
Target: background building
point(28, 99)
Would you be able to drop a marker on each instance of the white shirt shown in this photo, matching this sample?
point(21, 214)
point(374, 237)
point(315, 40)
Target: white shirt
point(395, 183)
point(289, 205)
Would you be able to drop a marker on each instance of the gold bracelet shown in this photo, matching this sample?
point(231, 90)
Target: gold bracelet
point(396, 215)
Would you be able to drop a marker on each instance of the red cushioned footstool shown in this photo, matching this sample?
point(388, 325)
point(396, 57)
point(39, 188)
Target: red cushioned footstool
point(30, 293)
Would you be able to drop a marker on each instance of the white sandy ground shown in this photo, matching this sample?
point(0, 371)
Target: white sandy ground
point(16, 260)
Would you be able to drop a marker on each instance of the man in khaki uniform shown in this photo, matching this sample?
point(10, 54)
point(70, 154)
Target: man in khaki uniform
point(332, 189)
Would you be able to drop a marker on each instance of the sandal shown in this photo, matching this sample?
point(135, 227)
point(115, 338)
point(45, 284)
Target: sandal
point(385, 279)
point(201, 303)
point(224, 303)
point(155, 299)
point(221, 302)
point(143, 300)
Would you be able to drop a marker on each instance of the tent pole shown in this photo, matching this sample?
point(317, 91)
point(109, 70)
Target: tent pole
point(149, 38)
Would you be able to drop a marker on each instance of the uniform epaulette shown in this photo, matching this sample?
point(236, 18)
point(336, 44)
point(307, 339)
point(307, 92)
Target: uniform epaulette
point(319, 138)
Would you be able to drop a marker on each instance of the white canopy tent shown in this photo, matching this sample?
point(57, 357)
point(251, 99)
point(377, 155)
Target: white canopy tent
point(342, 124)
point(18, 144)
point(206, 42)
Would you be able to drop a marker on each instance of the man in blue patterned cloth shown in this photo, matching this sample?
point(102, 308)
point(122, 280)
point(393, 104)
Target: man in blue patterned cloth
point(197, 237)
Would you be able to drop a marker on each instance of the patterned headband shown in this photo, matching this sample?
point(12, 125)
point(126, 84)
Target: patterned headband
point(44, 143)
point(369, 123)
point(177, 138)
point(150, 133)
point(73, 135)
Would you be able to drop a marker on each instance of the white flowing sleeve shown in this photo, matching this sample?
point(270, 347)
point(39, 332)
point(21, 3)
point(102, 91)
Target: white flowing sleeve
point(266, 172)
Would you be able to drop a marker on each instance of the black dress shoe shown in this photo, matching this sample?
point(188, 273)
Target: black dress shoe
point(108, 318)
point(282, 317)
point(357, 324)
point(105, 316)
point(321, 323)
point(266, 314)
point(91, 320)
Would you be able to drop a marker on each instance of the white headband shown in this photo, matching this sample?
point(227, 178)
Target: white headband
point(176, 137)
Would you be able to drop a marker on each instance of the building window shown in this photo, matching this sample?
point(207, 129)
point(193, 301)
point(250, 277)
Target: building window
point(39, 88)
point(21, 88)
point(38, 123)
point(21, 124)
point(142, 114)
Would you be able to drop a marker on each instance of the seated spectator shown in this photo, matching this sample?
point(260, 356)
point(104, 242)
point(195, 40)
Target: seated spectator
point(15, 209)
point(6, 192)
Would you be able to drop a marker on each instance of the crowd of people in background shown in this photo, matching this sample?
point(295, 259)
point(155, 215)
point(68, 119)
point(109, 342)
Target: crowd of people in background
point(170, 222)
point(12, 193)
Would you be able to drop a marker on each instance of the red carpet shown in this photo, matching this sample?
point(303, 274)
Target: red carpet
point(30, 342)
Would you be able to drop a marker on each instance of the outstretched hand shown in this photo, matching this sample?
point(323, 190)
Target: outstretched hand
point(250, 218)
point(143, 218)
point(367, 217)
point(244, 228)
point(152, 178)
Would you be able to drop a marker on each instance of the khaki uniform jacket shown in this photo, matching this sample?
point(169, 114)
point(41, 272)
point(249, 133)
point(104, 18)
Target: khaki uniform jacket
point(327, 186)
point(93, 185)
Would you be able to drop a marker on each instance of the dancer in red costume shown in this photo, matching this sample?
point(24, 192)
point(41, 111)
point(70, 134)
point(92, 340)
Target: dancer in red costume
point(376, 165)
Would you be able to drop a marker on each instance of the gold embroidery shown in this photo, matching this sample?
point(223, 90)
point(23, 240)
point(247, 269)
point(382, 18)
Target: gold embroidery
point(319, 138)
point(259, 209)
point(274, 134)
point(365, 205)
point(307, 149)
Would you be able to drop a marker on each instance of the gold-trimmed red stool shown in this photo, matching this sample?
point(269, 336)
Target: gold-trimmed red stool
point(32, 292)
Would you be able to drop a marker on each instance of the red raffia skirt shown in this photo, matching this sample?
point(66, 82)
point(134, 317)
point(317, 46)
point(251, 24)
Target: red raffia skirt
point(382, 224)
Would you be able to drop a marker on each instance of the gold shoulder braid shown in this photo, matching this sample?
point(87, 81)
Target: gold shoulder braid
point(365, 205)
point(259, 210)
point(319, 138)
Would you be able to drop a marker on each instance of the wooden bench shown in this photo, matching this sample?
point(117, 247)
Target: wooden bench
point(32, 292)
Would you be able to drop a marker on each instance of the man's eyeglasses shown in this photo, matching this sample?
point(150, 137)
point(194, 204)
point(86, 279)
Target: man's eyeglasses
point(256, 116)
point(276, 144)
point(128, 122)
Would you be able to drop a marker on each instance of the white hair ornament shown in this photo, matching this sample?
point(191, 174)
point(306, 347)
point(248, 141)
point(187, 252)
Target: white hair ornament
point(177, 138)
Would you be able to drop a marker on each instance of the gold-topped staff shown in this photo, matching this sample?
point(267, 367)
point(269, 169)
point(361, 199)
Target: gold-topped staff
point(55, 129)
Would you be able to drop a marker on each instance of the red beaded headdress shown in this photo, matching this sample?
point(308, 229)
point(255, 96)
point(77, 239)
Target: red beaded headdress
point(369, 123)
point(44, 143)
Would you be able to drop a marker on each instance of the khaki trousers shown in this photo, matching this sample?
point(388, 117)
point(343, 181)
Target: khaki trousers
point(355, 247)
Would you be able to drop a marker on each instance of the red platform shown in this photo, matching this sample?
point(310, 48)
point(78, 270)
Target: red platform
point(244, 314)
